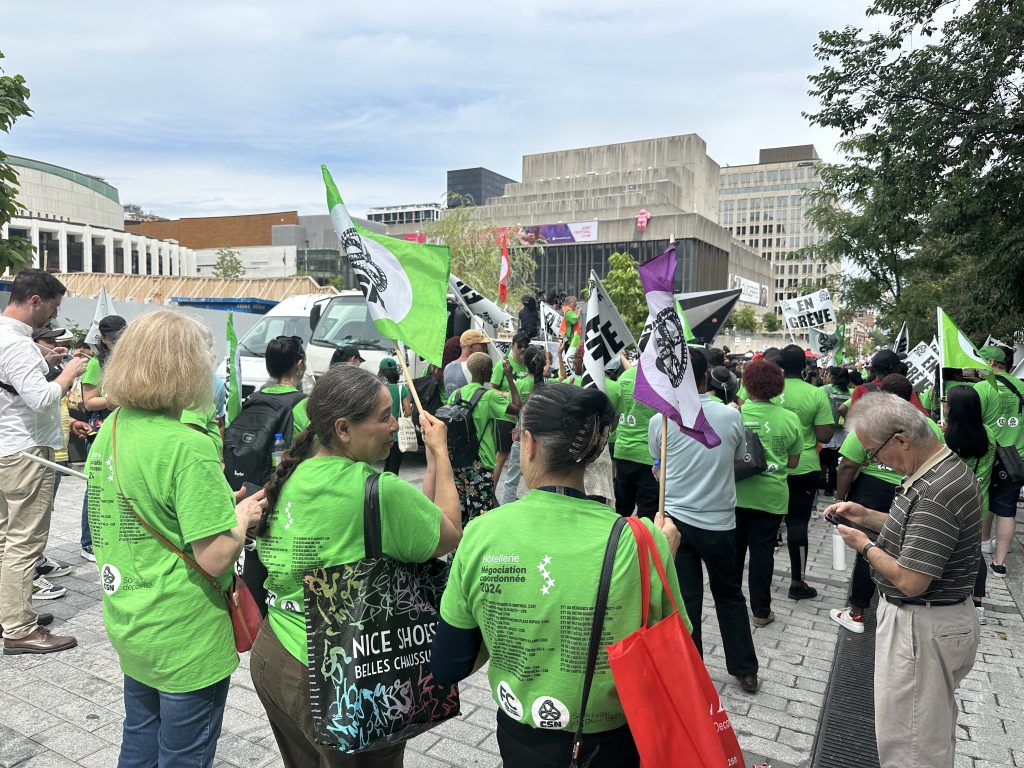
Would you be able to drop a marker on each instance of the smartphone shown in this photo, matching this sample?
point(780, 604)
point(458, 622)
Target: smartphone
point(837, 519)
point(250, 489)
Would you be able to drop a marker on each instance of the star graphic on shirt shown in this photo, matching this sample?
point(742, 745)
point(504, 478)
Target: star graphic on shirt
point(288, 514)
point(550, 582)
point(540, 567)
point(546, 560)
point(545, 589)
point(110, 469)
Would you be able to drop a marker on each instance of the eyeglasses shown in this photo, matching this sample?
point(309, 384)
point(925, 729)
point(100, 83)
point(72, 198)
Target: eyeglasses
point(294, 338)
point(870, 458)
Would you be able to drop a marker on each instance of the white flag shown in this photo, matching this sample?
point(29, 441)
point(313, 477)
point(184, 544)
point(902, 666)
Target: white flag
point(605, 335)
point(902, 344)
point(476, 305)
point(104, 308)
point(550, 322)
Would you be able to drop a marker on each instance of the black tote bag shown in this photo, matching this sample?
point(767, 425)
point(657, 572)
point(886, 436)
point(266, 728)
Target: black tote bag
point(369, 627)
point(754, 461)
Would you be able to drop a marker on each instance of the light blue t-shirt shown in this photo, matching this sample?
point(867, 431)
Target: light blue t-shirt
point(700, 488)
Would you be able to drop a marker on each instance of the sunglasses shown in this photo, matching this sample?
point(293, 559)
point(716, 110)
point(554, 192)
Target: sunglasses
point(871, 457)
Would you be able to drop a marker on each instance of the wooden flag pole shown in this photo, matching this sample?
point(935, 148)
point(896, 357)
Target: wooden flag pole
point(408, 376)
point(661, 467)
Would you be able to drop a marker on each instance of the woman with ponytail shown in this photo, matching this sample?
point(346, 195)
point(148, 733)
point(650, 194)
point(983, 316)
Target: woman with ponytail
point(523, 585)
point(314, 518)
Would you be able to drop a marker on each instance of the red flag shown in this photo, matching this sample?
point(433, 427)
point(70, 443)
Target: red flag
point(505, 269)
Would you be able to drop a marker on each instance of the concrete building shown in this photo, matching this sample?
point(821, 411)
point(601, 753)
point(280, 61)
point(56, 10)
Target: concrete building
point(75, 223)
point(474, 186)
point(764, 206)
point(419, 214)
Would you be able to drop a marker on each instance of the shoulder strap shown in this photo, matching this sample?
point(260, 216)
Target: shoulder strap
point(372, 542)
point(156, 534)
point(600, 607)
point(870, 386)
point(1010, 386)
point(476, 398)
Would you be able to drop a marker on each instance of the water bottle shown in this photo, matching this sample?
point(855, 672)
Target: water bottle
point(279, 449)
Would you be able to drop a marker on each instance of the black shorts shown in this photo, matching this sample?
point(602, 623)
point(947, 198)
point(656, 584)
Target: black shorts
point(503, 435)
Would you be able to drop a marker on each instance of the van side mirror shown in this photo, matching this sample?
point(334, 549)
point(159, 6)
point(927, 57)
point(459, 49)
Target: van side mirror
point(314, 315)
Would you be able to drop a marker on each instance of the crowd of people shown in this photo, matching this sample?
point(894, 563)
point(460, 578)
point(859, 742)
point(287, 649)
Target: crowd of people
point(545, 469)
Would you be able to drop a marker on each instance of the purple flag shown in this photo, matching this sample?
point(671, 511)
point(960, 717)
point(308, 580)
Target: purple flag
point(664, 380)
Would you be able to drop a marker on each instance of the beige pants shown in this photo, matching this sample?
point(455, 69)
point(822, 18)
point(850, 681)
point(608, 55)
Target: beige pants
point(921, 655)
point(26, 500)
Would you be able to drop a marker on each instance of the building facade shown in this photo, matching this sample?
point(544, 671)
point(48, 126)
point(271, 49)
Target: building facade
point(75, 223)
point(765, 205)
point(475, 186)
point(422, 213)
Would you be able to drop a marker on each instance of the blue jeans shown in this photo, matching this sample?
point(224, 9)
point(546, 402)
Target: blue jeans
point(171, 730)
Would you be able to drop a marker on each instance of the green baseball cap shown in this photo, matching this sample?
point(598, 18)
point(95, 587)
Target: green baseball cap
point(992, 352)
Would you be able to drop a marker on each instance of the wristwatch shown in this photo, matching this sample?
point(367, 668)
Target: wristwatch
point(867, 548)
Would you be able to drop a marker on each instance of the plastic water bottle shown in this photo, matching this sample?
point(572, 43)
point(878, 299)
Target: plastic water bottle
point(279, 449)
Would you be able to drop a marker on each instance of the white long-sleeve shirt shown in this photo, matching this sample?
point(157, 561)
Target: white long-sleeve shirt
point(32, 417)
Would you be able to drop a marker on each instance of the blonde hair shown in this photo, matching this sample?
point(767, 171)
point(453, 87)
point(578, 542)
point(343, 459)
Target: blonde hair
point(162, 363)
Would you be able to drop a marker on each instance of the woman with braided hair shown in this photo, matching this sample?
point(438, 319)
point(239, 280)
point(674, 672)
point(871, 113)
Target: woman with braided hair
point(523, 585)
point(314, 518)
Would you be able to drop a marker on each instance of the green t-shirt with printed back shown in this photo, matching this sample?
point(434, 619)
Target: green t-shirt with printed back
point(1002, 411)
point(206, 422)
point(853, 449)
point(93, 373)
point(533, 599)
point(318, 521)
point(811, 406)
point(782, 437)
point(490, 407)
point(300, 419)
point(631, 434)
point(170, 628)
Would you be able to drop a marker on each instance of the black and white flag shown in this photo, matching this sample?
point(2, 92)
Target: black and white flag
point(475, 304)
point(550, 322)
point(604, 337)
point(902, 344)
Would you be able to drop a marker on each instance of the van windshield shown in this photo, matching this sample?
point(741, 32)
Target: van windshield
point(254, 343)
point(346, 320)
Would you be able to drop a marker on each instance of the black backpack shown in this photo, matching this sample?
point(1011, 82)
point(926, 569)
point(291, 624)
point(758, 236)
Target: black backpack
point(249, 438)
point(463, 441)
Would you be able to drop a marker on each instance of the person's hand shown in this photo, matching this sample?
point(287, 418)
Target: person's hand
point(852, 511)
point(250, 509)
point(854, 539)
point(80, 429)
point(664, 523)
point(76, 366)
point(506, 366)
point(435, 433)
point(54, 355)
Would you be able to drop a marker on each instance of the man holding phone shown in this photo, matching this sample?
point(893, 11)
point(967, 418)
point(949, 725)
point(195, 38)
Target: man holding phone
point(924, 563)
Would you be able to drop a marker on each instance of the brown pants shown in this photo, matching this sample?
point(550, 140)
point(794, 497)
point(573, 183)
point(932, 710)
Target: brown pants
point(281, 683)
point(26, 501)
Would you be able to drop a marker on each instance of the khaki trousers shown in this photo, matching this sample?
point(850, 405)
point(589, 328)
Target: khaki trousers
point(921, 655)
point(26, 501)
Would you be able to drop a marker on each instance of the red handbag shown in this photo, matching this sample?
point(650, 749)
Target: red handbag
point(671, 705)
point(246, 618)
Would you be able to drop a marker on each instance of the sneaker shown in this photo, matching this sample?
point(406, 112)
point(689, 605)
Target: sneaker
point(844, 617)
point(51, 569)
point(988, 547)
point(87, 553)
point(802, 592)
point(763, 621)
point(998, 570)
point(980, 610)
point(44, 590)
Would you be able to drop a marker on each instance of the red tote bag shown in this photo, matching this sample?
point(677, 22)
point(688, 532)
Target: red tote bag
point(671, 704)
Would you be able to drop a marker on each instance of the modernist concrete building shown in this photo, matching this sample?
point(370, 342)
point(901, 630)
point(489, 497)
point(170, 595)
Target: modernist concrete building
point(765, 206)
point(76, 224)
point(474, 186)
point(421, 213)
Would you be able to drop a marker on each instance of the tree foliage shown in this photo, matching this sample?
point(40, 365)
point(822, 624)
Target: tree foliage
point(228, 264)
point(626, 291)
point(770, 322)
point(16, 252)
point(929, 207)
point(743, 319)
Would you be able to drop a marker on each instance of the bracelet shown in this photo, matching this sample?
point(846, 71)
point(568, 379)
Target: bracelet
point(867, 548)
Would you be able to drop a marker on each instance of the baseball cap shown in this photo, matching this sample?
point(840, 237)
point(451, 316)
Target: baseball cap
point(349, 351)
point(992, 352)
point(50, 334)
point(473, 336)
point(885, 359)
point(389, 364)
point(112, 326)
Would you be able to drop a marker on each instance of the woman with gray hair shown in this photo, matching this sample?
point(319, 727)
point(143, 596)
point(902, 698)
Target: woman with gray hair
point(924, 563)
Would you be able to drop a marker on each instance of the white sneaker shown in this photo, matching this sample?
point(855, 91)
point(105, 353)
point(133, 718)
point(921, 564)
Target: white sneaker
point(51, 569)
point(980, 610)
point(988, 546)
point(844, 618)
point(44, 590)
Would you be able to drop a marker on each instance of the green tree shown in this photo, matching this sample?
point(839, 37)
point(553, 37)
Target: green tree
point(16, 252)
point(930, 201)
point(228, 264)
point(743, 319)
point(770, 322)
point(626, 291)
point(337, 283)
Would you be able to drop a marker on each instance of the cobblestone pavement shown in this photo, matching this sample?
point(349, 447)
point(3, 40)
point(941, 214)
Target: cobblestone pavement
point(65, 709)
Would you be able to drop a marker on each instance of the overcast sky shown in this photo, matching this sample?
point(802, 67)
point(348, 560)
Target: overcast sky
point(206, 107)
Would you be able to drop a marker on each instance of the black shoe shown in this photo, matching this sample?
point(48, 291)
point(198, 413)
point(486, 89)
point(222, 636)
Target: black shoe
point(748, 683)
point(802, 592)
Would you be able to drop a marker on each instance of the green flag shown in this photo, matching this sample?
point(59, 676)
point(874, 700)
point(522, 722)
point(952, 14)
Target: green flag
point(955, 349)
point(687, 331)
point(233, 376)
point(405, 283)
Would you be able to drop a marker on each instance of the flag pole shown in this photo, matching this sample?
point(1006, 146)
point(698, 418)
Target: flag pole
point(408, 376)
point(661, 467)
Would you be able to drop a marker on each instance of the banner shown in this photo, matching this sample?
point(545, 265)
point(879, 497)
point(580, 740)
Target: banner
point(811, 311)
point(104, 308)
point(477, 305)
point(664, 379)
point(922, 361)
point(605, 335)
point(405, 284)
point(955, 349)
point(233, 375)
point(902, 344)
point(555, 234)
point(550, 322)
point(750, 292)
point(823, 343)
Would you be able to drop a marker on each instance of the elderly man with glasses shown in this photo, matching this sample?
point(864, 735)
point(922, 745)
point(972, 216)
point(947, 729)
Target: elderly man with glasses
point(924, 563)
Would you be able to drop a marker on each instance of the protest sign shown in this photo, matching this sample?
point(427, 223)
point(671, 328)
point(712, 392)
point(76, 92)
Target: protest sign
point(811, 311)
point(922, 361)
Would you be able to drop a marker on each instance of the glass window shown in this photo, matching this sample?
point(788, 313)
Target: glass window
point(346, 320)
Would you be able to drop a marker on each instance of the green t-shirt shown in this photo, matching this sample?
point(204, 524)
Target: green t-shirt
point(781, 437)
point(300, 419)
point(93, 373)
point(520, 373)
point(207, 424)
point(812, 407)
point(318, 522)
point(631, 434)
point(491, 406)
point(853, 449)
point(170, 628)
point(397, 392)
point(741, 393)
point(532, 596)
point(1002, 411)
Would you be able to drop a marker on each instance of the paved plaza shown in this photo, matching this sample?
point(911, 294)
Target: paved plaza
point(65, 709)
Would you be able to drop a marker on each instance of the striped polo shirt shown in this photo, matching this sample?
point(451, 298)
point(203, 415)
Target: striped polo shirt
point(934, 527)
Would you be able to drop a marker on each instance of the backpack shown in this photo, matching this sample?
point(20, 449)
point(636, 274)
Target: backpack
point(463, 441)
point(430, 395)
point(249, 438)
